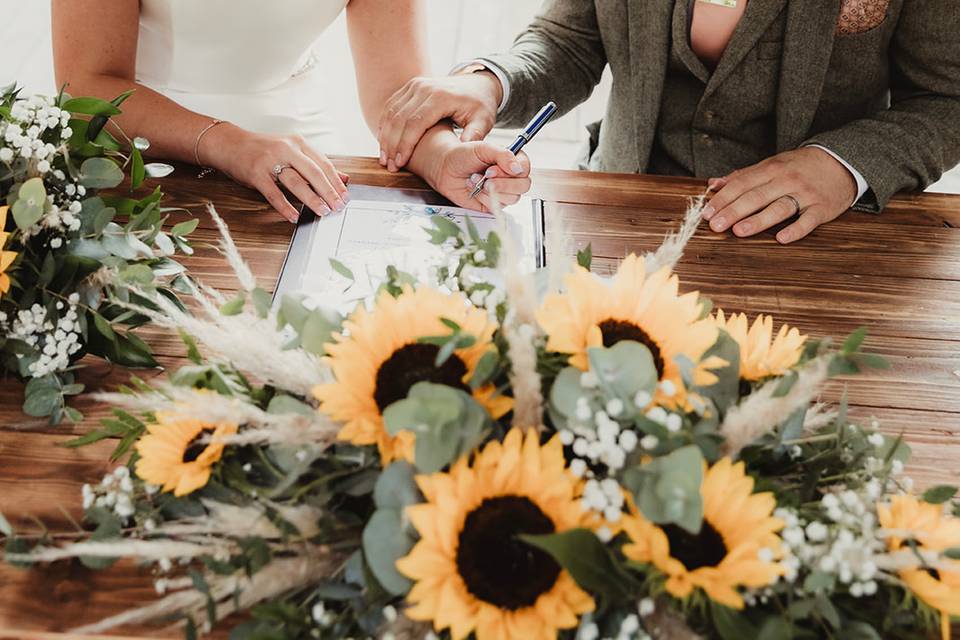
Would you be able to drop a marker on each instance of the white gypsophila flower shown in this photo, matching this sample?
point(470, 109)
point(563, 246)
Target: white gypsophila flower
point(55, 342)
point(114, 492)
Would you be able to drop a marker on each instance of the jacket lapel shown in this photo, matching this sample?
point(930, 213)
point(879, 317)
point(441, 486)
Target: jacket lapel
point(758, 16)
point(807, 46)
point(648, 22)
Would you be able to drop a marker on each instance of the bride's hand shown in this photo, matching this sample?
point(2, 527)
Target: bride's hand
point(462, 163)
point(250, 159)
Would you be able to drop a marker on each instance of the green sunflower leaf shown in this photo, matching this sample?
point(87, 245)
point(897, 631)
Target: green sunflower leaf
point(589, 563)
point(731, 624)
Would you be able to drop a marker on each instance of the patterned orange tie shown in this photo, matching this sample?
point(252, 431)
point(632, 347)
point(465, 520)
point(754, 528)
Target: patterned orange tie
point(714, 22)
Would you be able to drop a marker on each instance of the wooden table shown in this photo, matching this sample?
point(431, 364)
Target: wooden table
point(897, 274)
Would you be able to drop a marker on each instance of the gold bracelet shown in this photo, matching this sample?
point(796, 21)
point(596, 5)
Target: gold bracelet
point(196, 146)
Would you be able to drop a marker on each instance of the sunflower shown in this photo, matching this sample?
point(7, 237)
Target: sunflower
point(378, 358)
point(761, 353)
point(171, 454)
point(471, 573)
point(6, 257)
point(934, 531)
point(638, 306)
point(737, 525)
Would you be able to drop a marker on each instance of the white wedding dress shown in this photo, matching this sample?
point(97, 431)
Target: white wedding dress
point(249, 62)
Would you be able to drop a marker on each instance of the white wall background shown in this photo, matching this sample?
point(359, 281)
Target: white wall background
point(458, 31)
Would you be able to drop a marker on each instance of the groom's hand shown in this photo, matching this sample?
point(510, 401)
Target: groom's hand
point(470, 100)
point(808, 182)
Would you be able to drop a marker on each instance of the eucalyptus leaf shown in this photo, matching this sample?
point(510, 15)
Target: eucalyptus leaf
point(261, 301)
point(100, 173)
point(667, 490)
point(624, 369)
point(281, 404)
point(565, 391)
point(292, 311)
point(396, 487)
point(726, 391)
point(30, 204)
point(384, 542)
point(447, 423)
point(318, 330)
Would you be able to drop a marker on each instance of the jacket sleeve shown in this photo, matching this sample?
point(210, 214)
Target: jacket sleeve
point(909, 145)
point(559, 57)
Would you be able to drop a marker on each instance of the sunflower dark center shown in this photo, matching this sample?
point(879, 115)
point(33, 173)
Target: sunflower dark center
point(706, 549)
point(415, 363)
point(495, 564)
point(745, 387)
point(613, 331)
point(933, 573)
point(195, 447)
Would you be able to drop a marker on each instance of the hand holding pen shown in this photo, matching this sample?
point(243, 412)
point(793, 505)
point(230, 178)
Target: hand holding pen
point(525, 136)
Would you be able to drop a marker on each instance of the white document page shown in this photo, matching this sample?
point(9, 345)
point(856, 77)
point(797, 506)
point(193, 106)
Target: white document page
point(371, 235)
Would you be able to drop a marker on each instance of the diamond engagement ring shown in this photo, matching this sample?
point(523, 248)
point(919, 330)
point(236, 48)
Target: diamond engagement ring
point(278, 169)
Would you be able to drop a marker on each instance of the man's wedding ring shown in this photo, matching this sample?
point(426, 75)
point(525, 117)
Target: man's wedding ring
point(796, 204)
point(278, 169)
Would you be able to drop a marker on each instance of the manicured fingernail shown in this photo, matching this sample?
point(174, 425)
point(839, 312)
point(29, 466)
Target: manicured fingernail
point(743, 230)
point(470, 183)
point(718, 224)
point(346, 197)
point(488, 187)
point(475, 178)
point(784, 238)
point(399, 159)
point(492, 171)
point(708, 212)
point(383, 158)
point(515, 168)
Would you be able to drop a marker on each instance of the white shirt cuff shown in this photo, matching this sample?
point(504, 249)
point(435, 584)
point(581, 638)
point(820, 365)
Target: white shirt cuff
point(862, 186)
point(495, 70)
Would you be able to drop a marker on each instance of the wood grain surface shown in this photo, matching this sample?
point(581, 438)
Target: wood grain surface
point(897, 273)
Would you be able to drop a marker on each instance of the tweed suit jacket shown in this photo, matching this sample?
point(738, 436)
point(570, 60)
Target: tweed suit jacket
point(885, 99)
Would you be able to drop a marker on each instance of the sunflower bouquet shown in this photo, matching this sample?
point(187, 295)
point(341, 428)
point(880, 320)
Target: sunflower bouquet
point(63, 257)
point(501, 455)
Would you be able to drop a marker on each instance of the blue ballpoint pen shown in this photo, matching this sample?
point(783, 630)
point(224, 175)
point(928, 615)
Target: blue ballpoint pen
point(525, 136)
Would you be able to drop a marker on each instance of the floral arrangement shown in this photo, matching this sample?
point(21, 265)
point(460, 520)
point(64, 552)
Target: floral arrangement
point(503, 455)
point(65, 253)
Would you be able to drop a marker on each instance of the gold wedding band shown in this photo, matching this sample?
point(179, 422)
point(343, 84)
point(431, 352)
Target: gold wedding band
point(796, 203)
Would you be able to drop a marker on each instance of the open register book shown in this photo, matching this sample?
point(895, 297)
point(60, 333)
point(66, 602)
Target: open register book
point(382, 227)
